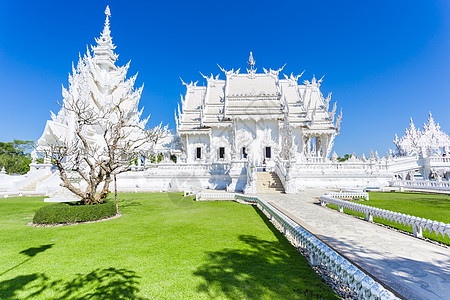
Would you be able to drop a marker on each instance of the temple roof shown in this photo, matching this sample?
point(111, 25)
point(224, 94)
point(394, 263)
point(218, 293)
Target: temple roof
point(247, 85)
point(255, 95)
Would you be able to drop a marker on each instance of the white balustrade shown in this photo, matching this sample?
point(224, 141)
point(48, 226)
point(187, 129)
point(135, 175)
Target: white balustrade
point(437, 160)
point(349, 195)
point(422, 184)
point(214, 196)
point(280, 169)
point(308, 165)
point(319, 253)
point(418, 224)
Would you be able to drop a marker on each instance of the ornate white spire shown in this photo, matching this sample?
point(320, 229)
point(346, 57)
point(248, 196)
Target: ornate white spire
point(251, 63)
point(428, 141)
point(107, 12)
point(431, 125)
point(103, 52)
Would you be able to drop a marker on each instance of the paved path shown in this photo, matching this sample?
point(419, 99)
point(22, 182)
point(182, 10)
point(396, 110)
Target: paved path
point(416, 269)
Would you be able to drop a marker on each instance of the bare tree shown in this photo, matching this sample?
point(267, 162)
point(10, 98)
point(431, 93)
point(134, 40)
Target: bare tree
point(102, 137)
point(96, 163)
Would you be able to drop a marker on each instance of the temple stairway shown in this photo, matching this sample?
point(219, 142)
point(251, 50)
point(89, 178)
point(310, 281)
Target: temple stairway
point(268, 182)
point(32, 185)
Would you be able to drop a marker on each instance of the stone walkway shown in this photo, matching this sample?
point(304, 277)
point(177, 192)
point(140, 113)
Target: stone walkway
point(416, 269)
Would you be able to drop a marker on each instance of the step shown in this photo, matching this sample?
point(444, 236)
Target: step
point(271, 192)
point(32, 185)
point(268, 182)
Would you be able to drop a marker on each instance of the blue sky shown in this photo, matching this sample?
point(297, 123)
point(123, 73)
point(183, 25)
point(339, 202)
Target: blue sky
point(384, 61)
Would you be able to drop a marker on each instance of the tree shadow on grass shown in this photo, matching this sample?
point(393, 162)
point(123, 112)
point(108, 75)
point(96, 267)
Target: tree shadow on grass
point(30, 252)
point(262, 270)
point(35, 284)
point(110, 283)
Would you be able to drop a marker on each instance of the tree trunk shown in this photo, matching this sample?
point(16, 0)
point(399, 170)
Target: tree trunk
point(115, 194)
point(98, 198)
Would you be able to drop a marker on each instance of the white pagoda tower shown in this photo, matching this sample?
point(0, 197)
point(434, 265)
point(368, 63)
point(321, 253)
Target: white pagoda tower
point(98, 84)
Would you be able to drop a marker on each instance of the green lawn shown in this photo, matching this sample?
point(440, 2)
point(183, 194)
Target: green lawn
point(429, 206)
point(164, 246)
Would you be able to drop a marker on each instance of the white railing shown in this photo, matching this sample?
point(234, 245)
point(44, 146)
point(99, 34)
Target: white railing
point(280, 166)
point(402, 164)
point(349, 195)
point(214, 196)
point(21, 194)
point(422, 184)
point(418, 224)
point(445, 160)
point(304, 165)
point(199, 166)
point(280, 170)
point(312, 160)
point(319, 253)
point(264, 168)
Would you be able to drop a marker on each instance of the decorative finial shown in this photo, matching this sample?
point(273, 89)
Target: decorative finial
point(251, 61)
point(107, 11)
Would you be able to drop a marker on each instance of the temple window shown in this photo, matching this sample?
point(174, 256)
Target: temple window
point(222, 152)
point(198, 152)
point(268, 152)
point(244, 152)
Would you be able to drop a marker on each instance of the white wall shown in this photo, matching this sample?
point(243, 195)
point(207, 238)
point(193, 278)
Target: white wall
point(195, 141)
point(220, 137)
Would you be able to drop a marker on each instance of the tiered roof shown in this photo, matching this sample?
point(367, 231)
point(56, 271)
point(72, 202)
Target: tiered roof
point(104, 51)
point(256, 96)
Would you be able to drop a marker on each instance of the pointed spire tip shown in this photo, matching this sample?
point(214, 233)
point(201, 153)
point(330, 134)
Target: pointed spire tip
point(251, 61)
point(107, 11)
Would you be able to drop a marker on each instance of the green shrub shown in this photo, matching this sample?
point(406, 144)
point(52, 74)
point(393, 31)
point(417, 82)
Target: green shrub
point(60, 213)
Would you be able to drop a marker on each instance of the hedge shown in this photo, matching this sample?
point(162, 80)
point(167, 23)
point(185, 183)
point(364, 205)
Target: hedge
point(61, 213)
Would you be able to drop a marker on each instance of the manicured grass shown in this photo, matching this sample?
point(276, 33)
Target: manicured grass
point(429, 206)
point(164, 246)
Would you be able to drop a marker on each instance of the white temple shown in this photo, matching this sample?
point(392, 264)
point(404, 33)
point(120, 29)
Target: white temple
point(246, 132)
point(255, 116)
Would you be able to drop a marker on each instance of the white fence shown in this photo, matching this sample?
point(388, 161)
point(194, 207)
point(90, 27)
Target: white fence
point(349, 195)
point(319, 253)
point(422, 184)
point(21, 194)
point(439, 160)
point(214, 196)
point(317, 163)
point(418, 224)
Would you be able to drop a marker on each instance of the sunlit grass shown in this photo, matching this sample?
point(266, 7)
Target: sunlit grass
point(164, 246)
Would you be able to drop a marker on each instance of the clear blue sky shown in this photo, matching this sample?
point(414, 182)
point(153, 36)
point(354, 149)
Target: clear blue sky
point(384, 61)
